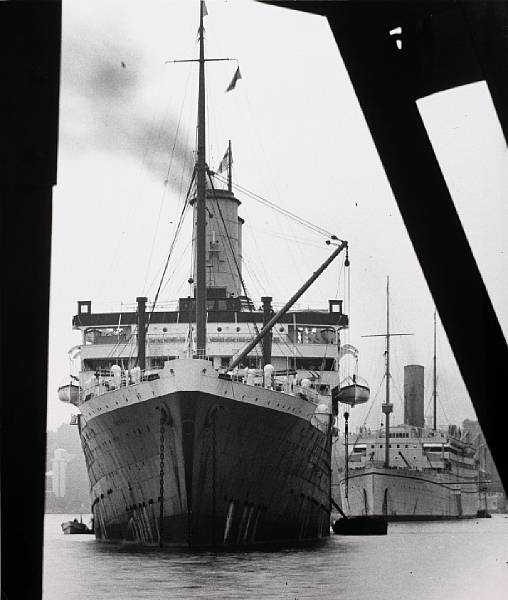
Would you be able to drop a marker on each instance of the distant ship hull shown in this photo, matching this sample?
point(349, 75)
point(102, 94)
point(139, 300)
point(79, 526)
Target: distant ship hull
point(240, 465)
point(409, 495)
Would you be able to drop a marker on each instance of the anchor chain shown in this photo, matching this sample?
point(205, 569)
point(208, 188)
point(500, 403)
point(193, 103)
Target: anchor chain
point(161, 474)
point(214, 475)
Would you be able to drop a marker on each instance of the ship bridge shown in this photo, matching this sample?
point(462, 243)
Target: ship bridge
point(303, 340)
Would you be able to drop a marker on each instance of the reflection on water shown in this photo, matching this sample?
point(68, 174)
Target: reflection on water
point(423, 561)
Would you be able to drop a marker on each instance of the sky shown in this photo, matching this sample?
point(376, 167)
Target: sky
point(126, 142)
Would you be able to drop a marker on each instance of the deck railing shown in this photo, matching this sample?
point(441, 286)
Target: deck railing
point(102, 381)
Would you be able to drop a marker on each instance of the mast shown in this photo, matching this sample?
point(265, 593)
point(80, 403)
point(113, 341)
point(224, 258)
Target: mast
point(387, 407)
point(201, 172)
point(142, 332)
point(201, 201)
point(434, 388)
point(230, 168)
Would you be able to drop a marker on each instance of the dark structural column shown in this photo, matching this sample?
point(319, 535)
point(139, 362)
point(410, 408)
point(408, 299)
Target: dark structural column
point(141, 300)
point(387, 82)
point(267, 340)
point(443, 45)
point(29, 71)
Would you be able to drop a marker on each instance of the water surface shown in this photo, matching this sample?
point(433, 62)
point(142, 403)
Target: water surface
point(457, 560)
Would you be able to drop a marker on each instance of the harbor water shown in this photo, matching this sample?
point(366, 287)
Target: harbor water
point(456, 560)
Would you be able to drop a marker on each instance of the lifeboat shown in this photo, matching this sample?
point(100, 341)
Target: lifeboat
point(352, 393)
point(69, 394)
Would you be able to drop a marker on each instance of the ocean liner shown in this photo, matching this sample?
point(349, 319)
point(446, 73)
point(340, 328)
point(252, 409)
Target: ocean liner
point(195, 433)
point(408, 471)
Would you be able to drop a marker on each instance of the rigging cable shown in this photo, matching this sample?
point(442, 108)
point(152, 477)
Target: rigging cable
point(293, 239)
point(178, 228)
point(281, 210)
point(253, 275)
point(168, 171)
point(177, 265)
point(160, 268)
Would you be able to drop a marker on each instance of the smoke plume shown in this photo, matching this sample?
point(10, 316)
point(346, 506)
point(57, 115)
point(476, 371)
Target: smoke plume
point(102, 107)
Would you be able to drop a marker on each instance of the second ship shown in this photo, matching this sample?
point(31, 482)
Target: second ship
point(409, 472)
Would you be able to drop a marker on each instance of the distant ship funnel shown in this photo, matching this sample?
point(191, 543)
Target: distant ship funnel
point(413, 395)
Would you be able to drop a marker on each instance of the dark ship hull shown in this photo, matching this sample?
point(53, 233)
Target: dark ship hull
point(234, 464)
point(408, 495)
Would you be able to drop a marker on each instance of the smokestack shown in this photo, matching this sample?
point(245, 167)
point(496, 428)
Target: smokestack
point(413, 395)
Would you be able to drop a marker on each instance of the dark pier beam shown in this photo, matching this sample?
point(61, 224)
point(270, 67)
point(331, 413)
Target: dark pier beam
point(487, 24)
point(29, 70)
point(444, 44)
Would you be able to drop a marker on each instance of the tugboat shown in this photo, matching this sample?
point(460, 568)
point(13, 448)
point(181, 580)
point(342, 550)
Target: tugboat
point(76, 527)
point(362, 525)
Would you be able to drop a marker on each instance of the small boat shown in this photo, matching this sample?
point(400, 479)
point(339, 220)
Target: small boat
point(483, 513)
point(69, 393)
point(75, 526)
point(362, 525)
point(352, 394)
point(350, 390)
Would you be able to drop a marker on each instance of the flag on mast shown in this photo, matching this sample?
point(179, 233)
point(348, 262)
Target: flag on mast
point(225, 162)
point(236, 77)
point(205, 12)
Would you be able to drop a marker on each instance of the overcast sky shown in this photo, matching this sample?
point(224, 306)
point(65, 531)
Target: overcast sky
point(127, 132)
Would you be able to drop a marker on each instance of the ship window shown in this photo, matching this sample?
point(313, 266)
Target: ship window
point(107, 335)
point(315, 364)
point(398, 445)
point(373, 446)
point(315, 335)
